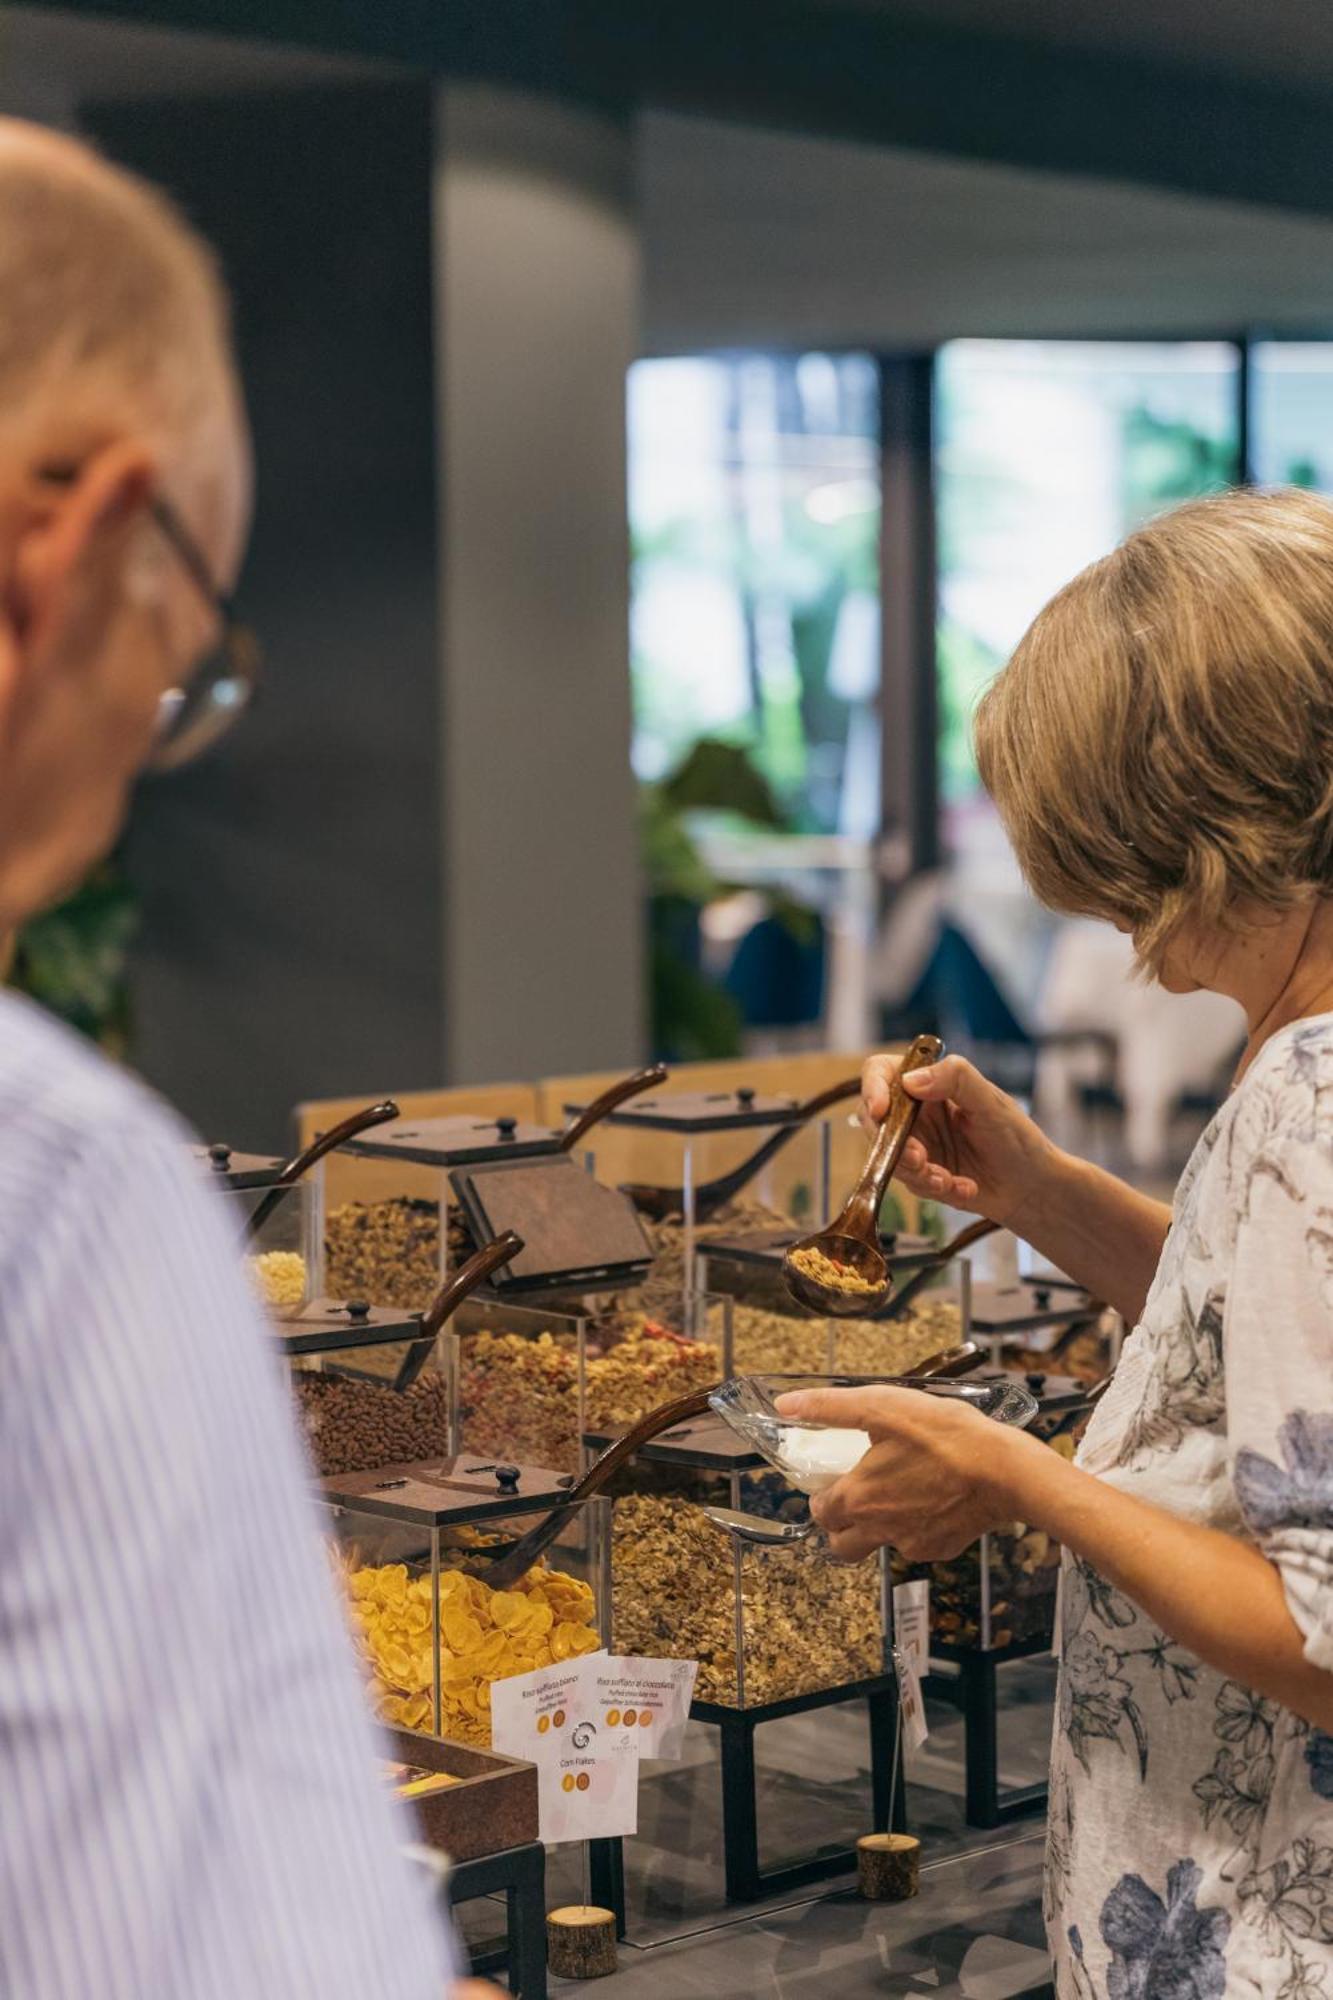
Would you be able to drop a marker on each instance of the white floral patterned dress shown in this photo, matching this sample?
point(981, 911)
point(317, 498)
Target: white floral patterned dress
point(1191, 1826)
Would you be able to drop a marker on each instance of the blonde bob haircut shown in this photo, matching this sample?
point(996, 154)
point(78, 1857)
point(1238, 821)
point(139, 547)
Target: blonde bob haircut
point(1160, 745)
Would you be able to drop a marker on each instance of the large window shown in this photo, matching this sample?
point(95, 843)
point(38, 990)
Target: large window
point(1047, 453)
point(1291, 413)
point(754, 515)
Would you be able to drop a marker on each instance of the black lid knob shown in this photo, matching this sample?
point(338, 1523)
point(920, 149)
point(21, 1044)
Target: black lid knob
point(220, 1156)
point(745, 1097)
point(506, 1478)
point(506, 1127)
point(1036, 1382)
point(1042, 1296)
point(357, 1309)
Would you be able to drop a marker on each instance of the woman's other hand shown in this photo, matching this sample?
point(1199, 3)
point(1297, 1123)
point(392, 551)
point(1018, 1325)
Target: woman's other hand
point(936, 1476)
point(972, 1146)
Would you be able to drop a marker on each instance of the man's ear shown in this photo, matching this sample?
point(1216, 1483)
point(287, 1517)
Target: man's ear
point(70, 555)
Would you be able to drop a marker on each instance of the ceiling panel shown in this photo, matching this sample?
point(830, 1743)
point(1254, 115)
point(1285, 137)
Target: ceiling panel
point(754, 236)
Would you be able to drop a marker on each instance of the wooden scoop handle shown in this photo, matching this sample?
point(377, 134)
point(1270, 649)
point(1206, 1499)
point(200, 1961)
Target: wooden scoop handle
point(660, 1202)
point(609, 1101)
point(861, 1215)
point(325, 1142)
point(450, 1297)
point(520, 1557)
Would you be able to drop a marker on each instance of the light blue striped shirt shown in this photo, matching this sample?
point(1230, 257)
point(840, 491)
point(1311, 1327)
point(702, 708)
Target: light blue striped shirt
point(189, 1804)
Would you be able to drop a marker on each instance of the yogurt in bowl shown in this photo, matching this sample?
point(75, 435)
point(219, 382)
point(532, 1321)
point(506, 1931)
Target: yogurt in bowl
point(813, 1457)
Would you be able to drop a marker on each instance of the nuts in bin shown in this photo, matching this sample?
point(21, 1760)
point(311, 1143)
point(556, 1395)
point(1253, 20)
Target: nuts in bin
point(485, 1635)
point(808, 1623)
point(353, 1426)
point(1024, 1566)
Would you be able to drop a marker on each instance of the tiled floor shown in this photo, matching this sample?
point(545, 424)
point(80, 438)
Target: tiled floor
point(975, 1930)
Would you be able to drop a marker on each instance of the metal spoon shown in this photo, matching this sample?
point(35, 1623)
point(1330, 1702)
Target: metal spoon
point(298, 1167)
point(754, 1528)
point(660, 1202)
point(851, 1242)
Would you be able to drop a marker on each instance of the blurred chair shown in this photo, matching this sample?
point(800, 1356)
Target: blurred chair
point(1174, 1051)
point(957, 996)
point(776, 978)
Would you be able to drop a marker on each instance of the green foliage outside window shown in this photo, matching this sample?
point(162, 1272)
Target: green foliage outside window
point(74, 959)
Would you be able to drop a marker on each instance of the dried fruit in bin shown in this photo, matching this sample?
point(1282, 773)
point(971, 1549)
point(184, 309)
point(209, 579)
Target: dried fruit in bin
point(520, 1396)
point(389, 1251)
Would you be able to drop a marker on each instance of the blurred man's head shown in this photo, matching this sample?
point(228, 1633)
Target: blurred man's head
point(117, 392)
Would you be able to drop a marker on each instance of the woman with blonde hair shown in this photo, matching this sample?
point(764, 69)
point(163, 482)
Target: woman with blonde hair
point(1160, 748)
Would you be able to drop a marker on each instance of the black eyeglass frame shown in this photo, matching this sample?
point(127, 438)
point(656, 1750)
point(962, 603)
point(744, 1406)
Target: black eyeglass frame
point(237, 644)
point(240, 652)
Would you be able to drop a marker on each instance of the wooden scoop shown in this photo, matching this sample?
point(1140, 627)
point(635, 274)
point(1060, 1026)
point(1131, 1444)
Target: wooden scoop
point(851, 1242)
point(297, 1168)
point(659, 1202)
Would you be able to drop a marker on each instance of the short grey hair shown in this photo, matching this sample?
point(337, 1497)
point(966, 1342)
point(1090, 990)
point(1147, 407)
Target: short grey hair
point(110, 299)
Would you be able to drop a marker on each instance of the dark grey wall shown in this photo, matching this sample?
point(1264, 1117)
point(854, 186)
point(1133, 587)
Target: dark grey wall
point(291, 886)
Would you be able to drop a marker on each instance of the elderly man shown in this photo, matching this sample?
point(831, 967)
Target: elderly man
point(191, 1805)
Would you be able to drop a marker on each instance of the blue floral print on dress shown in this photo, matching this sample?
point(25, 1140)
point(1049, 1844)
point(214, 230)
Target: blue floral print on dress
point(1319, 1758)
point(1300, 1497)
point(1168, 1950)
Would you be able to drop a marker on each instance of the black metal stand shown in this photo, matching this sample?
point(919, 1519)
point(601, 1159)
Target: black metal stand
point(975, 1694)
point(606, 1877)
point(746, 1881)
point(521, 1873)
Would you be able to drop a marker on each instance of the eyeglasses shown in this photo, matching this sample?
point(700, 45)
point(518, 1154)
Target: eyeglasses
point(193, 717)
point(198, 713)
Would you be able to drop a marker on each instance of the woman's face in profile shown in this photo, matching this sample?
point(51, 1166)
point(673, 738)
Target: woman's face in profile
point(1188, 958)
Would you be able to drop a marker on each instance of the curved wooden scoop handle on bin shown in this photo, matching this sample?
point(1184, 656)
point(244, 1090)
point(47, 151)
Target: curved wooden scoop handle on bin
point(657, 1203)
point(298, 1167)
point(852, 1240)
point(504, 1570)
point(975, 1232)
point(466, 1280)
point(609, 1101)
point(949, 1363)
point(518, 1559)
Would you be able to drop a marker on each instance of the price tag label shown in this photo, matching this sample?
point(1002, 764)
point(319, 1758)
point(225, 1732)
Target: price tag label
point(587, 1776)
point(647, 1700)
point(911, 1623)
point(911, 1657)
point(585, 1726)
